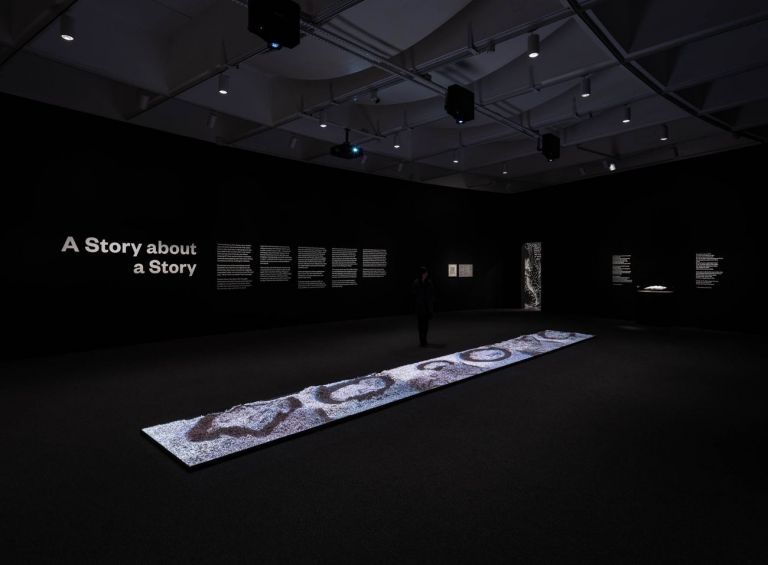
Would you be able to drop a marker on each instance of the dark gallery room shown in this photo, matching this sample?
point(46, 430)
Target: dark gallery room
point(384, 281)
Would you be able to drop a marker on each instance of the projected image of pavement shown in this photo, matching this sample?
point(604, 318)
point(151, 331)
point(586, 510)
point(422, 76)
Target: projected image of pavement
point(209, 437)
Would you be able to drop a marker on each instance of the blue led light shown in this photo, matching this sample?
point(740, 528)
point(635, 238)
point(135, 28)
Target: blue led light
point(274, 45)
point(355, 149)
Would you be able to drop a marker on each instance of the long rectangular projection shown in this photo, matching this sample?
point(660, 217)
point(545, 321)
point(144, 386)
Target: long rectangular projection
point(212, 436)
point(531, 267)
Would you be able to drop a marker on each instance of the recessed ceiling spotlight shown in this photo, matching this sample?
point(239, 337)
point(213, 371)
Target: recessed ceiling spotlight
point(323, 121)
point(67, 28)
point(223, 84)
point(455, 159)
point(611, 166)
point(586, 87)
point(504, 171)
point(396, 142)
point(533, 45)
point(664, 133)
point(294, 141)
point(627, 115)
point(212, 119)
point(400, 167)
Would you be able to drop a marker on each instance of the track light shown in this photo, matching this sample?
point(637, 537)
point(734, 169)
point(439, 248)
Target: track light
point(223, 84)
point(67, 28)
point(323, 121)
point(664, 133)
point(586, 87)
point(375, 97)
point(504, 171)
point(212, 119)
point(294, 141)
point(396, 142)
point(533, 45)
point(400, 167)
point(627, 115)
point(455, 159)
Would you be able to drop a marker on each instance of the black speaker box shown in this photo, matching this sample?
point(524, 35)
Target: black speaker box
point(550, 146)
point(460, 103)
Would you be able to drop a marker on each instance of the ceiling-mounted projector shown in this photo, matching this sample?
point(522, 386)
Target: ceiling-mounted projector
point(347, 150)
point(278, 22)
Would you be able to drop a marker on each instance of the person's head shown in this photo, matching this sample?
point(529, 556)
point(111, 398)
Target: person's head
point(423, 273)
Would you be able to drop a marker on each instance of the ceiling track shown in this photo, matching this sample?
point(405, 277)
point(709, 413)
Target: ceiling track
point(368, 136)
point(486, 44)
point(596, 152)
point(326, 15)
point(697, 36)
point(415, 75)
point(500, 138)
point(334, 10)
point(651, 83)
point(376, 60)
point(161, 99)
point(580, 146)
point(674, 148)
point(310, 25)
point(57, 13)
point(454, 56)
point(387, 66)
point(629, 57)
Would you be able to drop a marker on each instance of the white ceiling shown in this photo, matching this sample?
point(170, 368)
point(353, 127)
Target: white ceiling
point(699, 67)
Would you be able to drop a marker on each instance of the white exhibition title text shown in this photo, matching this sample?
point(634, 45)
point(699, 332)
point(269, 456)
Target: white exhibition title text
point(133, 249)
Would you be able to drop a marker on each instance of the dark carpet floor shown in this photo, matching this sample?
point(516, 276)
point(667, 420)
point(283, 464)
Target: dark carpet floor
point(644, 445)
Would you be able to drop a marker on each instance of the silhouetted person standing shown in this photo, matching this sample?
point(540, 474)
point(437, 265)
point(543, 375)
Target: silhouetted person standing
point(424, 301)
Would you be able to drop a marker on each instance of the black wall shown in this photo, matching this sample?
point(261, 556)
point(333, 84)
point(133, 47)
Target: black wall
point(75, 174)
point(663, 216)
point(78, 175)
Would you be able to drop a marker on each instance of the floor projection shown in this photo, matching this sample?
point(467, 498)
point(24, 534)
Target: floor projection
point(209, 437)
